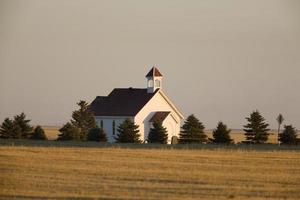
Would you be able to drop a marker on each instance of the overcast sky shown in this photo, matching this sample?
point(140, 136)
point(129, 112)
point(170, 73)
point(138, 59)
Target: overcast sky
point(221, 59)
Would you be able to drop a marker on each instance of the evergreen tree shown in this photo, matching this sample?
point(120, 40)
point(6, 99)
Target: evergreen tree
point(9, 130)
point(38, 134)
point(158, 134)
point(128, 132)
point(97, 134)
point(69, 132)
point(289, 135)
point(221, 135)
point(192, 131)
point(256, 129)
point(83, 119)
point(22, 124)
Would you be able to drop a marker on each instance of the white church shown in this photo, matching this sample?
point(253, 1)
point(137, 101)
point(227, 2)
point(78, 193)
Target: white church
point(141, 105)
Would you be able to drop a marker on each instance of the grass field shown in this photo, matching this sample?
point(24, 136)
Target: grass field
point(127, 173)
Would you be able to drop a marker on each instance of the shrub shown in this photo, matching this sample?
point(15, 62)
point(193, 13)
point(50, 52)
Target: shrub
point(97, 134)
point(289, 135)
point(69, 132)
point(38, 134)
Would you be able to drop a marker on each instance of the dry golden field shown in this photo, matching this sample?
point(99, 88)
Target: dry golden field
point(51, 132)
point(124, 173)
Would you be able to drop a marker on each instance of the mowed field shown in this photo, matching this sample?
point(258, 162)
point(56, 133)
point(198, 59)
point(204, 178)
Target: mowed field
point(238, 136)
point(127, 173)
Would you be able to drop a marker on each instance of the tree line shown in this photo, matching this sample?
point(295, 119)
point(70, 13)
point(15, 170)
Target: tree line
point(83, 127)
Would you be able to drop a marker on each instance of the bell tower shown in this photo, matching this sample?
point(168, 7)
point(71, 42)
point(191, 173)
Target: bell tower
point(154, 80)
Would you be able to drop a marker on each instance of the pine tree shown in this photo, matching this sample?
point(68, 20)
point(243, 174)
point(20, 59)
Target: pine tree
point(97, 134)
point(69, 132)
point(289, 135)
point(128, 132)
point(38, 134)
point(8, 129)
point(83, 119)
point(192, 131)
point(256, 129)
point(221, 135)
point(158, 134)
point(22, 124)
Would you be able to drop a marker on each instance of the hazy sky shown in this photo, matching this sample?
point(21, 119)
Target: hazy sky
point(221, 59)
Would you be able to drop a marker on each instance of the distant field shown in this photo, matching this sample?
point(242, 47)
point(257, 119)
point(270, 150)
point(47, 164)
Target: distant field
point(238, 136)
point(124, 173)
point(51, 132)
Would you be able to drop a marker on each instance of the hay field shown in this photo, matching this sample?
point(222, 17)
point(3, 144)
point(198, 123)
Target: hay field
point(51, 132)
point(124, 173)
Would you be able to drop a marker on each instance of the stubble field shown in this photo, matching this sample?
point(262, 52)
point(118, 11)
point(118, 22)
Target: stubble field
point(127, 173)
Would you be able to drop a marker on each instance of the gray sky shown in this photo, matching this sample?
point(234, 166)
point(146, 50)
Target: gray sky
point(221, 59)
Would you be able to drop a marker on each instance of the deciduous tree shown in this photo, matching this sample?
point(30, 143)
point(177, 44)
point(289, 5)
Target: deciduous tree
point(279, 120)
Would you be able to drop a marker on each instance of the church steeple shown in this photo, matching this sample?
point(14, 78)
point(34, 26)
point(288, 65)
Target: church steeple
point(154, 80)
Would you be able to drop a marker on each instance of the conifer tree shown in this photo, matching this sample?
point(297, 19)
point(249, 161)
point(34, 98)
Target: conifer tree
point(289, 135)
point(158, 133)
point(83, 119)
point(97, 134)
point(8, 129)
point(128, 132)
point(192, 131)
point(22, 124)
point(69, 132)
point(38, 134)
point(221, 135)
point(256, 129)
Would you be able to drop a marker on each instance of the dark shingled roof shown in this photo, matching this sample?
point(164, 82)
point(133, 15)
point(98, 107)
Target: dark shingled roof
point(154, 72)
point(159, 116)
point(121, 102)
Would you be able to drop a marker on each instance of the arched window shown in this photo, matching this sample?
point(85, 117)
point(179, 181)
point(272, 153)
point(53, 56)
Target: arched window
point(157, 83)
point(150, 83)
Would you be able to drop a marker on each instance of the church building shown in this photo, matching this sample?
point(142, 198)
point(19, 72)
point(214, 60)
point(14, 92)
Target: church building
point(141, 105)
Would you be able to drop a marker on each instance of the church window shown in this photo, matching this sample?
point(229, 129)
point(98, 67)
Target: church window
point(150, 83)
point(101, 124)
point(157, 83)
point(114, 127)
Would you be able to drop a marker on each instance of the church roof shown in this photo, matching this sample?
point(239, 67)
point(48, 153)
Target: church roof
point(159, 116)
point(121, 102)
point(154, 72)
